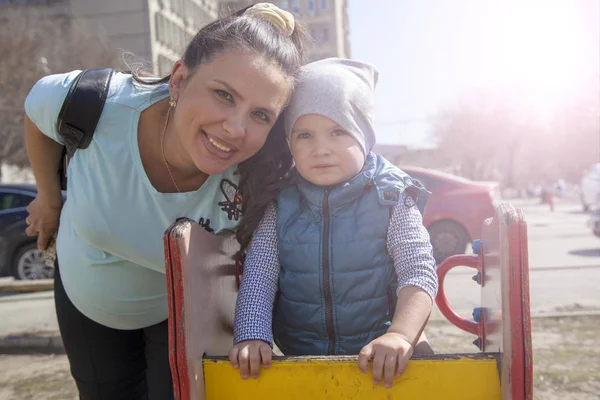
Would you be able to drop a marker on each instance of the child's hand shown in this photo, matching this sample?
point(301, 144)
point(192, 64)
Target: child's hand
point(247, 355)
point(390, 353)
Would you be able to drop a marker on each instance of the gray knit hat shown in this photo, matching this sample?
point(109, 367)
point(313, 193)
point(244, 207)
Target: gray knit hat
point(341, 90)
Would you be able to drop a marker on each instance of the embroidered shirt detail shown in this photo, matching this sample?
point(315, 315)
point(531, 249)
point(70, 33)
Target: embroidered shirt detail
point(233, 199)
point(206, 225)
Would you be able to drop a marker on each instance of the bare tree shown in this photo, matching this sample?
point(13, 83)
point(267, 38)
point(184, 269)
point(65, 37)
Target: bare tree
point(477, 135)
point(35, 42)
point(575, 136)
point(496, 137)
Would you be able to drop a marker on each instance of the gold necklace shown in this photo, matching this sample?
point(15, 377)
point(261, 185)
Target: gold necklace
point(162, 146)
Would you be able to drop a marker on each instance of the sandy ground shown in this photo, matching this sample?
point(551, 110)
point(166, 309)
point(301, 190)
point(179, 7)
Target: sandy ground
point(40, 377)
point(566, 362)
point(566, 355)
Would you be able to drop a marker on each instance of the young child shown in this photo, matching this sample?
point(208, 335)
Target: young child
point(342, 263)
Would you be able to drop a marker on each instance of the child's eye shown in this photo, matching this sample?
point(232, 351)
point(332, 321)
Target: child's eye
point(339, 132)
point(224, 95)
point(262, 116)
point(303, 135)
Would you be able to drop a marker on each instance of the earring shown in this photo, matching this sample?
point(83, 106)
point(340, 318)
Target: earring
point(172, 102)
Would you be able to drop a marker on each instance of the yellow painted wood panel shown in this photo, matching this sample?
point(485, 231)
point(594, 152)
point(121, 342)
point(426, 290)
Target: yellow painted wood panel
point(300, 378)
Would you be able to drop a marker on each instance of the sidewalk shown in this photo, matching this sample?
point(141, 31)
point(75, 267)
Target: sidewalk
point(28, 323)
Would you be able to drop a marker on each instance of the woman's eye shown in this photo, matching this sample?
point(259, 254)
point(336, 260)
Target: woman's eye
point(339, 132)
point(303, 135)
point(262, 116)
point(224, 95)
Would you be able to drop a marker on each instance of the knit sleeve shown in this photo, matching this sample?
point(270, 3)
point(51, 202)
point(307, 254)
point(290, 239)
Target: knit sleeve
point(254, 307)
point(410, 248)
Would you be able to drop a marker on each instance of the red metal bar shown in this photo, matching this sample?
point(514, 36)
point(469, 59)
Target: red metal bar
point(526, 307)
point(521, 370)
point(175, 298)
point(441, 300)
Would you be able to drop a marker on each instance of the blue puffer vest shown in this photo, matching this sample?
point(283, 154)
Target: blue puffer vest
point(337, 285)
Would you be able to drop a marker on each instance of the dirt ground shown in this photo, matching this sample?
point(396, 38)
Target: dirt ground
point(566, 362)
point(40, 377)
point(566, 355)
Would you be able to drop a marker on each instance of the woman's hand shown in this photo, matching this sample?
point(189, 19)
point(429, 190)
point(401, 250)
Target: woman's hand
point(44, 157)
point(247, 356)
point(390, 354)
point(43, 219)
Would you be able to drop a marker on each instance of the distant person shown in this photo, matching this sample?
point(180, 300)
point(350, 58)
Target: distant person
point(341, 263)
point(547, 196)
point(561, 187)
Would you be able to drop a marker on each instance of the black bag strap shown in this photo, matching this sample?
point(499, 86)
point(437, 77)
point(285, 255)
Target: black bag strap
point(80, 113)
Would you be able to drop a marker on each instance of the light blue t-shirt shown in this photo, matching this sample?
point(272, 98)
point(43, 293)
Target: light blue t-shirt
point(109, 243)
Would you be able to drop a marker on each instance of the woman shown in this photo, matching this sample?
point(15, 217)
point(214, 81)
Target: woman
point(162, 150)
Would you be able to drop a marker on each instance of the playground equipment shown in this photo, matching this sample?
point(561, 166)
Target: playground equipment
point(201, 277)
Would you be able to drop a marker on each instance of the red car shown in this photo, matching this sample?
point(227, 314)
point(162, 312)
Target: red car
point(456, 210)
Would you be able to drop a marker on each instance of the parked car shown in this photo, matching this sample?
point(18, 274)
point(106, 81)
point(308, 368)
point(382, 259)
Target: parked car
point(590, 188)
point(456, 210)
point(19, 255)
point(594, 222)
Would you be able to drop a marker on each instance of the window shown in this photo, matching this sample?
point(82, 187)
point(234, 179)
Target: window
point(295, 6)
point(160, 27)
point(188, 38)
point(284, 4)
point(311, 6)
point(202, 18)
point(23, 200)
point(323, 4)
point(164, 65)
point(178, 7)
point(14, 200)
point(235, 6)
point(320, 34)
point(172, 35)
point(178, 38)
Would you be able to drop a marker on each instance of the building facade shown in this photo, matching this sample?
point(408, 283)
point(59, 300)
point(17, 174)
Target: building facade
point(45, 8)
point(155, 32)
point(325, 20)
point(173, 24)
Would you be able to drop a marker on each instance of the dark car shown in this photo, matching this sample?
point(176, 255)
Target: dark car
point(19, 255)
point(456, 210)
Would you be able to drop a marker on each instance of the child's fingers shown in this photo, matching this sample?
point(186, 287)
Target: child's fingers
point(389, 369)
point(402, 363)
point(378, 362)
point(366, 353)
point(265, 354)
point(233, 357)
point(254, 361)
point(243, 358)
